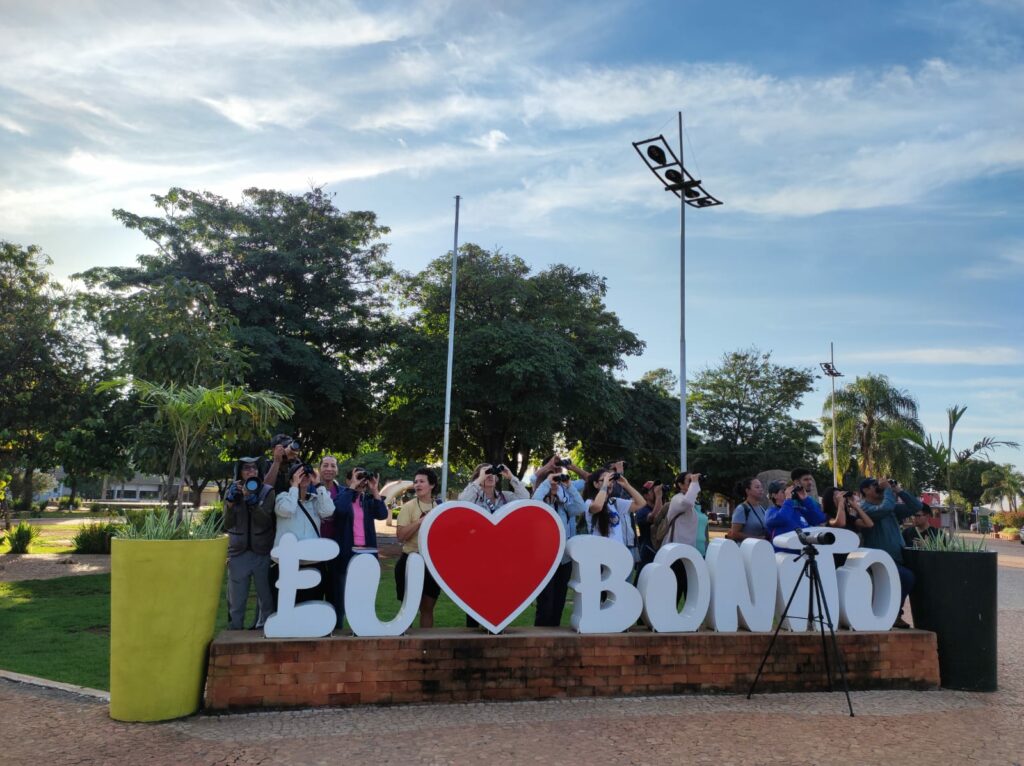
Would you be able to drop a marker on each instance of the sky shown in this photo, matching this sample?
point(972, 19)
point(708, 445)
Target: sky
point(870, 157)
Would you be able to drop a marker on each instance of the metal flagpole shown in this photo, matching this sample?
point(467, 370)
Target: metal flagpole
point(451, 351)
point(835, 452)
point(682, 310)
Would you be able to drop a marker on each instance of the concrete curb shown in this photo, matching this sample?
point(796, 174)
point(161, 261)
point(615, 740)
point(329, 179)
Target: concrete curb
point(81, 691)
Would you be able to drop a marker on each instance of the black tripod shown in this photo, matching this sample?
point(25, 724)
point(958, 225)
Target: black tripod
point(815, 596)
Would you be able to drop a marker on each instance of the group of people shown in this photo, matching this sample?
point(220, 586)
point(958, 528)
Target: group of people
point(284, 494)
point(271, 498)
point(875, 512)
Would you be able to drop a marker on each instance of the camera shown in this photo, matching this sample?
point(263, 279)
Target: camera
point(563, 463)
point(252, 485)
point(818, 538)
point(848, 494)
point(495, 470)
point(616, 476)
point(562, 478)
point(666, 489)
point(364, 475)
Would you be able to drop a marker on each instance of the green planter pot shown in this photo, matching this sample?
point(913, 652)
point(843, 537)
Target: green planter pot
point(955, 597)
point(164, 596)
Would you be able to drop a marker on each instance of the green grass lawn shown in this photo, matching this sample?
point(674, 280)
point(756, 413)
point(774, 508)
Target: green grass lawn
point(53, 538)
point(60, 629)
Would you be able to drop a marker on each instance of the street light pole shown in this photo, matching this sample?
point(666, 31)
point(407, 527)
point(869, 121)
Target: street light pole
point(682, 313)
point(829, 369)
point(451, 354)
point(661, 160)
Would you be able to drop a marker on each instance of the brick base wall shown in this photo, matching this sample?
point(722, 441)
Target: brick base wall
point(247, 671)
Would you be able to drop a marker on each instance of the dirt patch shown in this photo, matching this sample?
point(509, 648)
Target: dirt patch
point(47, 566)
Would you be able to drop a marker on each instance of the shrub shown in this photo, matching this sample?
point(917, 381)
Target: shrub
point(65, 504)
point(41, 505)
point(1009, 519)
point(1009, 533)
point(22, 536)
point(215, 510)
point(95, 537)
point(163, 526)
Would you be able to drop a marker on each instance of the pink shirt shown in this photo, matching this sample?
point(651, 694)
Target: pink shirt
point(358, 530)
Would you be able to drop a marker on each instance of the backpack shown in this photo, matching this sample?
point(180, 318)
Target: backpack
point(660, 530)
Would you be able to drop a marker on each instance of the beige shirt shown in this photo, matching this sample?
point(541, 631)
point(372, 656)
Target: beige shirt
point(410, 513)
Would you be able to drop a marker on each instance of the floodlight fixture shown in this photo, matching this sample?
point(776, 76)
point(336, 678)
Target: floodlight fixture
point(668, 168)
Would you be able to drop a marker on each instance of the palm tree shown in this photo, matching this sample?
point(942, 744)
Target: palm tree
point(867, 410)
point(1003, 482)
point(191, 412)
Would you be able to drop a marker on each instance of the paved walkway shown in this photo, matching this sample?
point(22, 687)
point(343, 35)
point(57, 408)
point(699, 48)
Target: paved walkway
point(911, 728)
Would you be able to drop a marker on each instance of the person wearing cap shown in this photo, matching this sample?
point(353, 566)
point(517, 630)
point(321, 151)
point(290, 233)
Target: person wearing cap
point(792, 509)
point(879, 502)
point(558, 491)
point(249, 523)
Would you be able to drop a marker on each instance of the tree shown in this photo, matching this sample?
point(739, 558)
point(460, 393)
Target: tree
point(741, 410)
point(646, 435)
point(303, 282)
point(1003, 482)
point(40, 363)
point(939, 466)
point(96, 441)
point(191, 412)
point(868, 411)
point(534, 357)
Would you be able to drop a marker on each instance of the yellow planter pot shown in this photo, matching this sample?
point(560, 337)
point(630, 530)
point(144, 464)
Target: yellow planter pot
point(164, 596)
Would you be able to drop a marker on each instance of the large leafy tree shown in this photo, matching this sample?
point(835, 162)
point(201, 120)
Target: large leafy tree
point(41, 364)
point(302, 281)
point(868, 412)
point(646, 435)
point(534, 357)
point(742, 412)
point(170, 332)
point(1003, 482)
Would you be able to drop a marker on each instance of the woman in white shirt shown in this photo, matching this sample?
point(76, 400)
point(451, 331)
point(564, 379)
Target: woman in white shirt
point(485, 490)
point(609, 516)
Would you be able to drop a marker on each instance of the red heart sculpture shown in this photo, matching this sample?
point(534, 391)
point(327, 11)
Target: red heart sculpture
point(492, 565)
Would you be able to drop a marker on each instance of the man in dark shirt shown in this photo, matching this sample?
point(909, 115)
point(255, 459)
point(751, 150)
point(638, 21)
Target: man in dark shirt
point(914, 536)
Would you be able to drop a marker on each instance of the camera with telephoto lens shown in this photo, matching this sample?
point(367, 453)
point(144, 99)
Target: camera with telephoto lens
point(817, 538)
point(252, 485)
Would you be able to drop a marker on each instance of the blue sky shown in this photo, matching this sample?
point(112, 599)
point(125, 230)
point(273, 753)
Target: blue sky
point(870, 156)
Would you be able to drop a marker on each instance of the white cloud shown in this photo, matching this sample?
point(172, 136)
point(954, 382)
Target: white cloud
point(428, 115)
point(491, 140)
point(10, 125)
point(977, 355)
point(254, 113)
point(1008, 264)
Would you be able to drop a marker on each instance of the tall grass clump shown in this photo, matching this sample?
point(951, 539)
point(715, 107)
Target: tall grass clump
point(22, 536)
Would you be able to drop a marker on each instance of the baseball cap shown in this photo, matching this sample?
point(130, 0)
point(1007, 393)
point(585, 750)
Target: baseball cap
point(867, 483)
point(648, 484)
